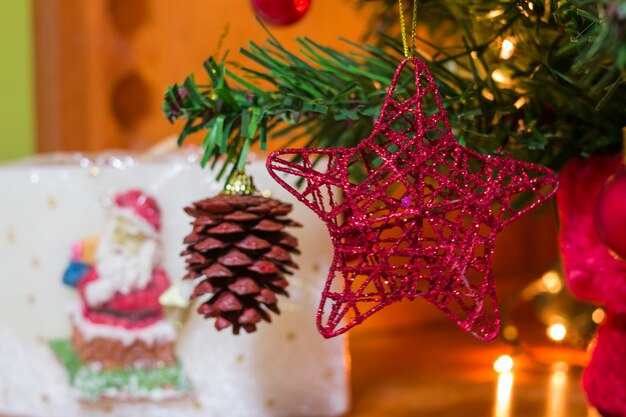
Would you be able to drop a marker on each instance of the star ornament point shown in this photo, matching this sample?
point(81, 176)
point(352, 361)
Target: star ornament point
point(422, 217)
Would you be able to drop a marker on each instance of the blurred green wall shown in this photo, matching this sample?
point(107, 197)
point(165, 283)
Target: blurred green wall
point(17, 122)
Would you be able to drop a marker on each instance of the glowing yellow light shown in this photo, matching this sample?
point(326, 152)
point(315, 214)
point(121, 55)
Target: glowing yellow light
point(508, 48)
point(503, 364)
point(557, 390)
point(552, 281)
point(487, 94)
point(500, 77)
point(598, 315)
point(531, 5)
point(510, 333)
point(507, 45)
point(504, 390)
point(495, 13)
point(592, 345)
point(520, 102)
point(557, 332)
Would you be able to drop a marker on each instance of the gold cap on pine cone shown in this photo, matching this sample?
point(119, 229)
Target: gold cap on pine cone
point(240, 184)
point(238, 254)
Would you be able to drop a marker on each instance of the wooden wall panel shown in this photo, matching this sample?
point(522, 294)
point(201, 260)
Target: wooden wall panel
point(103, 65)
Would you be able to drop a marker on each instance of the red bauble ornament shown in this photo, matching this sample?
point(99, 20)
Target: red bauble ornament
point(433, 242)
point(610, 214)
point(281, 12)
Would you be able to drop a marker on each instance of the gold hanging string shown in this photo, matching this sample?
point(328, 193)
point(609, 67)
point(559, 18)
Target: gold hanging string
point(408, 48)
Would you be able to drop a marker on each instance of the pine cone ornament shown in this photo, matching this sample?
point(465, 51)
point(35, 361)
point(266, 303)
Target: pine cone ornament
point(238, 253)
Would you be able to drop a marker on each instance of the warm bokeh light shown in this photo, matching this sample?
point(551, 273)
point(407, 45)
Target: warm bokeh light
point(508, 48)
point(500, 77)
point(552, 281)
point(556, 406)
point(520, 102)
point(495, 13)
point(557, 332)
point(487, 94)
point(510, 333)
point(598, 315)
point(504, 391)
point(503, 364)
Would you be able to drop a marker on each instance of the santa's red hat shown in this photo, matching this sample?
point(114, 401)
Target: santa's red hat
point(139, 208)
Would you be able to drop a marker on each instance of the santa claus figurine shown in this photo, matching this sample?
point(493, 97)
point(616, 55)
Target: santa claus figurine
point(119, 322)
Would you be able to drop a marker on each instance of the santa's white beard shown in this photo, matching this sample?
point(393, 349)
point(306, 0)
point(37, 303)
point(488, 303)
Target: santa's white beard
point(120, 271)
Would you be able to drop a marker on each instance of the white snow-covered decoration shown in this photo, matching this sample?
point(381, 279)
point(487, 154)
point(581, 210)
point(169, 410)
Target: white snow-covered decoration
point(285, 369)
point(158, 333)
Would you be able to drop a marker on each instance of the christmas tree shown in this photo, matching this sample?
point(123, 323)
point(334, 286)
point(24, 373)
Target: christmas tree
point(537, 81)
point(542, 81)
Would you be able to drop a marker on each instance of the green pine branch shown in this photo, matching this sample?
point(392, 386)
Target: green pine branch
point(561, 94)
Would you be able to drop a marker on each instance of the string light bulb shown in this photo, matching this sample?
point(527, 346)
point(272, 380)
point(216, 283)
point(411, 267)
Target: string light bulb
point(503, 364)
point(510, 333)
point(557, 332)
point(500, 77)
point(598, 316)
point(508, 48)
point(552, 282)
point(520, 102)
point(495, 13)
point(487, 94)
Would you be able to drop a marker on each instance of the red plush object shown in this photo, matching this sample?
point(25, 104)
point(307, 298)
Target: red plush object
point(610, 214)
point(594, 275)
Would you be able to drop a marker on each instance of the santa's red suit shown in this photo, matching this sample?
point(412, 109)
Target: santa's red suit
point(137, 309)
point(135, 305)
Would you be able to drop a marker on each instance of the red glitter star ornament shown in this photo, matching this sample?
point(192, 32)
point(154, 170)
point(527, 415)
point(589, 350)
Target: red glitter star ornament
point(423, 220)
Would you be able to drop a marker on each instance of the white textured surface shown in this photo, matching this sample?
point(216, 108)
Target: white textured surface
point(284, 369)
